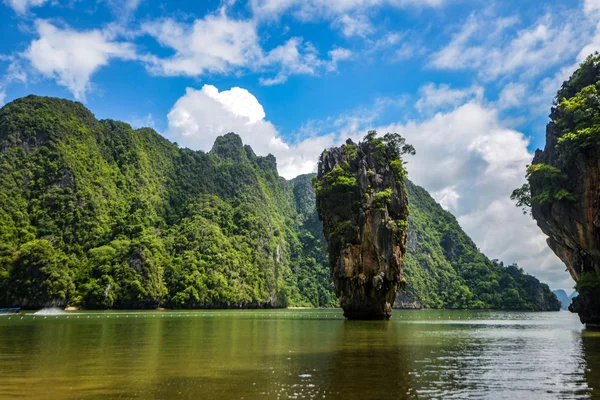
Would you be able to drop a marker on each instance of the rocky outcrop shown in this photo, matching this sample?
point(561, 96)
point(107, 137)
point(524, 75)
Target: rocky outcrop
point(565, 187)
point(362, 201)
point(573, 227)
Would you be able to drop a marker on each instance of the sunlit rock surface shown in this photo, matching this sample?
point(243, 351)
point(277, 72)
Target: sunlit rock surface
point(362, 201)
point(566, 198)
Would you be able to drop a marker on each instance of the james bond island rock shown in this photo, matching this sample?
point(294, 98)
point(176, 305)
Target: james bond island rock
point(564, 183)
point(362, 201)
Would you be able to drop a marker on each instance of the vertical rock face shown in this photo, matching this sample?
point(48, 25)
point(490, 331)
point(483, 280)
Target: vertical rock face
point(362, 201)
point(565, 186)
point(573, 227)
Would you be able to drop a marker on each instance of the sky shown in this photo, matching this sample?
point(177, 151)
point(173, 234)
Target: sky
point(469, 83)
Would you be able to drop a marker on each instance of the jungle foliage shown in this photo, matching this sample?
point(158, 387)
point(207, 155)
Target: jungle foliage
point(576, 117)
point(96, 214)
point(99, 215)
point(443, 268)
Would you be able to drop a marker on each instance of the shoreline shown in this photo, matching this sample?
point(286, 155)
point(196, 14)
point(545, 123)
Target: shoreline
point(76, 308)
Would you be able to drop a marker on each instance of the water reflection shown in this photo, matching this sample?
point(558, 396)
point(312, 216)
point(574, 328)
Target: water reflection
point(591, 354)
point(298, 354)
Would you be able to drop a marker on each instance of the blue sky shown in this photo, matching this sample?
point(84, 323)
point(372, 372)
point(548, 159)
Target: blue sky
point(468, 82)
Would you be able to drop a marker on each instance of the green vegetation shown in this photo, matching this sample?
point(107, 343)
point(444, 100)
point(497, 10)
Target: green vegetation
point(383, 198)
point(550, 183)
point(444, 269)
point(96, 214)
point(588, 282)
point(338, 181)
point(576, 116)
point(577, 111)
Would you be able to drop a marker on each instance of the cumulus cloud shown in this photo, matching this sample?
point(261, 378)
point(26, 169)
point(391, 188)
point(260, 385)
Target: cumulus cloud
point(512, 95)
point(294, 58)
point(14, 72)
point(123, 9)
point(319, 9)
point(438, 97)
point(541, 97)
point(219, 44)
point(351, 17)
point(2, 97)
point(71, 57)
point(357, 25)
point(470, 162)
point(22, 6)
point(591, 6)
point(199, 116)
point(497, 48)
point(535, 60)
point(214, 43)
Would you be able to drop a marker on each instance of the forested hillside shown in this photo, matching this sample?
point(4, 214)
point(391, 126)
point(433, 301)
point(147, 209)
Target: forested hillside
point(98, 215)
point(444, 268)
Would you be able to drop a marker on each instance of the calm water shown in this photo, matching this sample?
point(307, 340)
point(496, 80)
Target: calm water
point(304, 354)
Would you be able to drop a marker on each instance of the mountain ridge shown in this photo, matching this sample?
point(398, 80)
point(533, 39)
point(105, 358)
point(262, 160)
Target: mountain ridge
point(98, 215)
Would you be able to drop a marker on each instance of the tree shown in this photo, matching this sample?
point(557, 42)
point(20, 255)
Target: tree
point(40, 275)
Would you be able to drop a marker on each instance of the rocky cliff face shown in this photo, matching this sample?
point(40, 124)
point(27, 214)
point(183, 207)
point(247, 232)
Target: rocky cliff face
point(573, 227)
point(362, 201)
point(565, 186)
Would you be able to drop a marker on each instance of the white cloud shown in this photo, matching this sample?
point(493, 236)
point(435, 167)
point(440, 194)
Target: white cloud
point(541, 97)
point(14, 72)
point(339, 54)
point(470, 162)
point(387, 40)
point(219, 44)
point(130, 5)
point(71, 57)
point(406, 51)
point(238, 102)
point(592, 46)
point(357, 25)
point(319, 9)
point(351, 17)
point(22, 6)
point(199, 116)
point(447, 197)
point(512, 95)
point(435, 98)
point(294, 58)
point(215, 43)
point(494, 48)
point(123, 9)
point(591, 6)
point(396, 46)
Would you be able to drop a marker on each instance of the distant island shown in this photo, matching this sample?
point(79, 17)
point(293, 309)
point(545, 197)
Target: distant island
point(95, 214)
point(565, 300)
